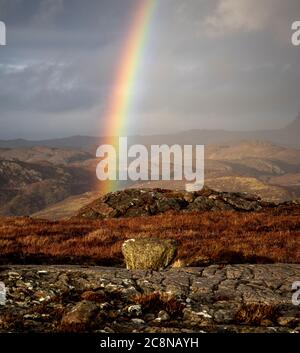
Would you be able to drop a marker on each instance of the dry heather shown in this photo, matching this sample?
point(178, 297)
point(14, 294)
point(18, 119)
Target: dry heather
point(208, 237)
point(157, 301)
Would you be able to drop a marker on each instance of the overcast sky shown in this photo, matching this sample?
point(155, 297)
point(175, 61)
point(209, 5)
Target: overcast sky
point(207, 64)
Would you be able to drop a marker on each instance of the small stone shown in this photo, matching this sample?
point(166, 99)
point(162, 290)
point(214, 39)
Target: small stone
point(204, 314)
point(196, 318)
point(42, 296)
point(138, 321)
point(108, 330)
point(129, 292)
point(30, 316)
point(266, 322)
point(135, 310)
point(104, 305)
point(13, 274)
point(149, 317)
point(163, 316)
point(224, 316)
point(285, 320)
point(29, 285)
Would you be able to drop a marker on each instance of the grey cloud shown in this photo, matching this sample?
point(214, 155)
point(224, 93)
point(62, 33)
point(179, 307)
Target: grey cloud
point(44, 87)
point(238, 16)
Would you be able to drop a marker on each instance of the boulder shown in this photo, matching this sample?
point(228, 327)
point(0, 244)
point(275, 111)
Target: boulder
point(149, 254)
point(79, 317)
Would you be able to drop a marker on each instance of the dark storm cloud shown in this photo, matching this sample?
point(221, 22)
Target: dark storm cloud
point(207, 64)
point(45, 87)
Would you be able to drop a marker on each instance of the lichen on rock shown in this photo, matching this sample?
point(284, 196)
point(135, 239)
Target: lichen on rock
point(148, 253)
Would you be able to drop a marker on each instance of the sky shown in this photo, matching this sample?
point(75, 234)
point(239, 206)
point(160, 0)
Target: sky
point(207, 64)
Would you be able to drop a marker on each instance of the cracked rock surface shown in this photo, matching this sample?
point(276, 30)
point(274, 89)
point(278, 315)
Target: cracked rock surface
point(216, 298)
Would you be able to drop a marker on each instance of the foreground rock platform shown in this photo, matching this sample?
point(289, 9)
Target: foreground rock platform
point(216, 298)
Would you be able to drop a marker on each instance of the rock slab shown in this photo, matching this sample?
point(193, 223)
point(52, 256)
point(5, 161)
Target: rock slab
point(216, 298)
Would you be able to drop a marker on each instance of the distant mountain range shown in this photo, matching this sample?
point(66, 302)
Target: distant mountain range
point(55, 183)
point(288, 136)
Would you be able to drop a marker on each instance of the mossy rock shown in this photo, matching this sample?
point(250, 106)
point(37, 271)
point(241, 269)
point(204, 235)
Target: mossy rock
point(149, 254)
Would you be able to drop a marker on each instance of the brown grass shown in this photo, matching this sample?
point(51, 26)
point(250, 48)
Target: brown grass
point(156, 301)
point(209, 236)
point(97, 297)
point(255, 314)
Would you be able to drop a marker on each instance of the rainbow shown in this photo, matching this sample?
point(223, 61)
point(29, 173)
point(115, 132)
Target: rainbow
point(121, 97)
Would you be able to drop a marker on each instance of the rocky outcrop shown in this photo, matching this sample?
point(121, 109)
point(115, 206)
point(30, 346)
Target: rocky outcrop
point(148, 253)
point(147, 202)
point(231, 298)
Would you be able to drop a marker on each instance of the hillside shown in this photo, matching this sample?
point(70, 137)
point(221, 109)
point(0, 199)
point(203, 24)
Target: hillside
point(66, 208)
point(248, 166)
point(26, 188)
point(254, 149)
point(42, 154)
point(250, 185)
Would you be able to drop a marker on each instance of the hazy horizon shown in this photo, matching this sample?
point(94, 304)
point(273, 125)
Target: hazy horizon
point(145, 134)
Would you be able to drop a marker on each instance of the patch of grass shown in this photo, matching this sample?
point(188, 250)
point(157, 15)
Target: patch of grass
point(203, 237)
point(254, 314)
point(156, 301)
point(97, 297)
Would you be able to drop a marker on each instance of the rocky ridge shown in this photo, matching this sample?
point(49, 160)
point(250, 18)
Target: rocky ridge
point(148, 202)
